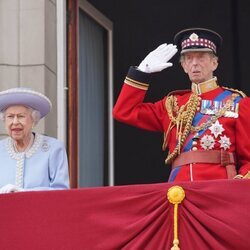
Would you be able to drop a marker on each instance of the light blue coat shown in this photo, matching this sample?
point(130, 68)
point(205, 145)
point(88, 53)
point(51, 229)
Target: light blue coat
point(43, 167)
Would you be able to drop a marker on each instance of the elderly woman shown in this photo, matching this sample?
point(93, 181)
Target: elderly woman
point(29, 161)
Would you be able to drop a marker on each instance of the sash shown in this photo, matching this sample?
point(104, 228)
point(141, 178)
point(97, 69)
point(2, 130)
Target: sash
point(200, 118)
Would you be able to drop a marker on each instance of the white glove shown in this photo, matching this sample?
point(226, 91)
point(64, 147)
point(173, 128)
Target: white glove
point(157, 60)
point(9, 188)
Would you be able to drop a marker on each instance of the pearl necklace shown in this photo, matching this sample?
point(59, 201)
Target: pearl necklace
point(27, 148)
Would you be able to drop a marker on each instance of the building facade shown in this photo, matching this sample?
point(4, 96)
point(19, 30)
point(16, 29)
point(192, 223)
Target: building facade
point(35, 43)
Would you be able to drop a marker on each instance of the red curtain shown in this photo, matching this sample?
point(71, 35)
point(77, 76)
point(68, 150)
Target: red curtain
point(213, 215)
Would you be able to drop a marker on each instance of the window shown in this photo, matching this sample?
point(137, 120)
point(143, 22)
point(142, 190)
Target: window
point(95, 125)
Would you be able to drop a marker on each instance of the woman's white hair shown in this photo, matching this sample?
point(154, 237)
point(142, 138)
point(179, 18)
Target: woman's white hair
point(2, 115)
point(35, 114)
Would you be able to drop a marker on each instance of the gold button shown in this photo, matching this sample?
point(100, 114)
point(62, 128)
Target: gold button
point(194, 148)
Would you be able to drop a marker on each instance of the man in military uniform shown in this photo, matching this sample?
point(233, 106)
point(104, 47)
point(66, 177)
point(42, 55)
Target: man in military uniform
point(206, 127)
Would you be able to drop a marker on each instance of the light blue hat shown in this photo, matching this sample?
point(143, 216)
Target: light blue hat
point(26, 97)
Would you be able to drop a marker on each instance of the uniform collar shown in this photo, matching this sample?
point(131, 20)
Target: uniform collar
point(204, 87)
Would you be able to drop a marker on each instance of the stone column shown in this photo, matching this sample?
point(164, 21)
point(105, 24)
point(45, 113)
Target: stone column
point(28, 52)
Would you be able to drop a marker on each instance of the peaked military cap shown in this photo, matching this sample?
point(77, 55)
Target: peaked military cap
point(198, 39)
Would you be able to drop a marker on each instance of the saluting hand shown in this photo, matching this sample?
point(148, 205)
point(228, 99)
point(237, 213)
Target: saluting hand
point(157, 60)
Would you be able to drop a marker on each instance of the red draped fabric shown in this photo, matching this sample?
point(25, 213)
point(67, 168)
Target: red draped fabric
point(213, 215)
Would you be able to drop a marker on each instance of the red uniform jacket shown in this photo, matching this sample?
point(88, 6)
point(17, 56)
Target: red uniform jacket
point(228, 133)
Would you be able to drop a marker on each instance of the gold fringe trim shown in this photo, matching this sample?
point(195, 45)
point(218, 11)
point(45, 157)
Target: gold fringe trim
point(176, 195)
point(181, 118)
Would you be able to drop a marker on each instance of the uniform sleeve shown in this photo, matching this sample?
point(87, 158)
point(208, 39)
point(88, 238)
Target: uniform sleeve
point(131, 109)
point(58, 166)
point(243, 136)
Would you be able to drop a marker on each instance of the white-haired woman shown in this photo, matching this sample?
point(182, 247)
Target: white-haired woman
point(29, 161)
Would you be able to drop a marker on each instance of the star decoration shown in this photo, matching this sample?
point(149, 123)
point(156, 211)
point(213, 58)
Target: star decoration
point(224, 142)
point(194, 37)
point(207, 142)
point(216, 129)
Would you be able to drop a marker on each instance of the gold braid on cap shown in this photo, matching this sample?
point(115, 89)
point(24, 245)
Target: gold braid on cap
point(181, 118)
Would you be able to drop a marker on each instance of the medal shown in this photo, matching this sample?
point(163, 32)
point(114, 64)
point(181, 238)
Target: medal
point(207, 142)
point(217, 106)
point(224, 142)
point(205, 106)
point(216, 129)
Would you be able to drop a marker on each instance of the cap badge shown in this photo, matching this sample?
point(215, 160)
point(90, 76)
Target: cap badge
point(194, 37)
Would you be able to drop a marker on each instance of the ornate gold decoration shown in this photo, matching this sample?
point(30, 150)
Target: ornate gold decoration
point(181, 118)
point(236, 91)
point(204, 86)
point(176, 195)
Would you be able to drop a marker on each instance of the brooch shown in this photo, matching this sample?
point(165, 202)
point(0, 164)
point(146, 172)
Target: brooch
point(207, 142)
point(45, 146)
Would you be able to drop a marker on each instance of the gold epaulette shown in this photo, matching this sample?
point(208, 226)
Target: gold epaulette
point(179, 92)
point(241, 93)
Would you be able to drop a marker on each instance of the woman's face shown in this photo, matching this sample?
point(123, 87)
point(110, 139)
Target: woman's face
point(18, 122)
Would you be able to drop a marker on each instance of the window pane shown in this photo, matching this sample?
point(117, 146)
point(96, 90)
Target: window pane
point(92, 40)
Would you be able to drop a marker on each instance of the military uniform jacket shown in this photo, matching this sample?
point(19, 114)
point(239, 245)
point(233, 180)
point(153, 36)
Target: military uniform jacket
point(210, 132)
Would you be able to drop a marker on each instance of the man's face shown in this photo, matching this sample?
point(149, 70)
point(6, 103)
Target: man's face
point(199, 65)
